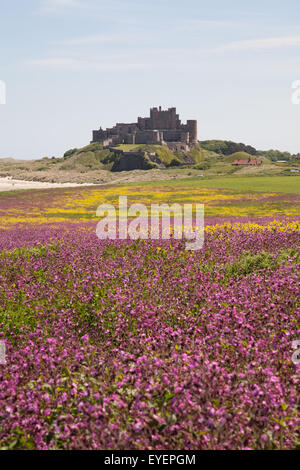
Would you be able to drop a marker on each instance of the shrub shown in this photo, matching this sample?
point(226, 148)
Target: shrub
point(174, 162)
point(203, 166)
point(69, 153)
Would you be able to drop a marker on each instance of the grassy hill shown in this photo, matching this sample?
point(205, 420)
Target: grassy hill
point(238, 156)
point(163, 153)
point(94, 164)
point(94, 157)
point(88, 158)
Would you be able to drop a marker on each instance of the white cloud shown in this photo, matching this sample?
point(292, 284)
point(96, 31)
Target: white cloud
point(196, 24)
point(55, 5)
point(67, 63)
point(261, 44)
point(121, 59)
point(113, 11)
point(63, 3)
point(144, 57)
point(98, 39)
point(138, 35)
point(57, 62)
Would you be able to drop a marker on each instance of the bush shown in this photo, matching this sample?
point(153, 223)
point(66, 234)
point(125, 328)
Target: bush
point(174, 162)
point(203, 166)
point(69, 153)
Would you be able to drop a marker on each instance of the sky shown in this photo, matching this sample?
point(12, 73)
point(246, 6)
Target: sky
point(70, 66)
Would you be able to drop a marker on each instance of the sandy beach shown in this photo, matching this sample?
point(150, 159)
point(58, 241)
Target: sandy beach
point(10, 184)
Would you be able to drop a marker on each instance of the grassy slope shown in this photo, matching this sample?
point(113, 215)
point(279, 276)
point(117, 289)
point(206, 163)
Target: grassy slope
point(91, 157)
point(200, 155)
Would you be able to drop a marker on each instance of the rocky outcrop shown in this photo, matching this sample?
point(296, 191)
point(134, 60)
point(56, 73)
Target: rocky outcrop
point(127, 161)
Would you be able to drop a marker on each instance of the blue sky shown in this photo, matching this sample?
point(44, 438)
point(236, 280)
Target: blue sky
point(73, 65)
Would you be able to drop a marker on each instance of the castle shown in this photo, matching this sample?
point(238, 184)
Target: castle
point(161, 128)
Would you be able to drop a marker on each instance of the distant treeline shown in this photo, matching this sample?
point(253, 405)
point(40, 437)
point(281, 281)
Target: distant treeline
point(275, 155)
point(227, 147)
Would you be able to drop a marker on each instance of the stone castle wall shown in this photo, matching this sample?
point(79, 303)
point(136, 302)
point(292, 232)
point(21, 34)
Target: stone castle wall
point(163, 127)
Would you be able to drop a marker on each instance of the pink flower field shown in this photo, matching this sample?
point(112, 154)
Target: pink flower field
point(143, 345)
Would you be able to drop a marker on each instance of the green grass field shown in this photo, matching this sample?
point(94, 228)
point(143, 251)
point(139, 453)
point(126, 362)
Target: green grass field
point(278, 184)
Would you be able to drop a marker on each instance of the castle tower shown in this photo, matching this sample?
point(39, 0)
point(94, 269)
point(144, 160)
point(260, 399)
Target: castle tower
point(161, 119)
point(193, 130)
